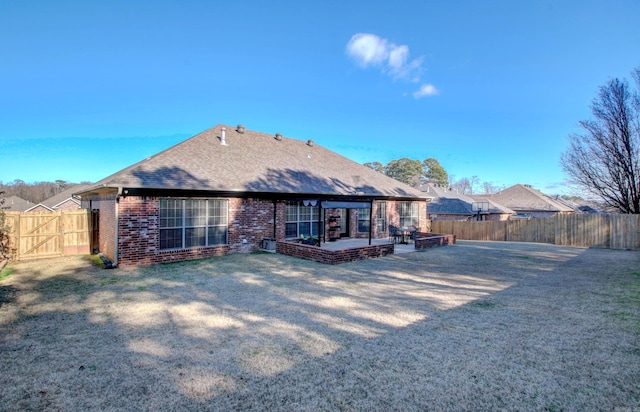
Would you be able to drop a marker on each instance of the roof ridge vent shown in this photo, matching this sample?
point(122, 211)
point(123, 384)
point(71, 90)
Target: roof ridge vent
point(240, 129)
point(278, 136)
point(310, 143)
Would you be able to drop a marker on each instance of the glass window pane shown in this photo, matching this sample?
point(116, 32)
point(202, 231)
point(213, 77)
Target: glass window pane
point(217, 235)
point(314, 229)
point(305, 213)
point(218, 212)
point(170, 212)
point(305, 229)
point(382, 217)
point(170, 238)
point(408, 214)
point(292, 213)
point(363, 219)
point(195, 213)
point(194, 237)
point(291, 230)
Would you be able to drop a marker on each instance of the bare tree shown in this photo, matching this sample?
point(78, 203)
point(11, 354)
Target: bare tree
point(490, 188)
point(605, 158)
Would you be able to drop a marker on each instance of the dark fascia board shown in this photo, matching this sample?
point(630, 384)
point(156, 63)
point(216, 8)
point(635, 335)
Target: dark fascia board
point(262, 195)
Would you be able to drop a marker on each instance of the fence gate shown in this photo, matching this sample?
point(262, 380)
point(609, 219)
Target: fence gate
point(42, 235)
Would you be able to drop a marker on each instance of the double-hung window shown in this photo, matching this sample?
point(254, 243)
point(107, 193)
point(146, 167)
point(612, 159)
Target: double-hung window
point(381, 217)
point(301, 220)
point(188, 223)
point(408, 214)
point(364, 220)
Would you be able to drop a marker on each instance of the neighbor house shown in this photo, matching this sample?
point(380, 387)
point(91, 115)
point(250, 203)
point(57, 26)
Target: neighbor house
point(228, 189)
point(15, 204)
point(64, 200)
point(447, 204)
point(528, 202)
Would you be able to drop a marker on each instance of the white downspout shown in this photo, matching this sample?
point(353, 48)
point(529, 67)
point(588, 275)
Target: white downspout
point(115, 252)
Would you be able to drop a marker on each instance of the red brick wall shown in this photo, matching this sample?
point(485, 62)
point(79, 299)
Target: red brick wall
point(250, 220)
point(333, 257)
point(68, 205)
point(429, 240)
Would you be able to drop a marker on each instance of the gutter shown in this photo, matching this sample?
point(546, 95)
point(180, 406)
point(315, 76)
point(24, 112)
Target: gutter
point(116, 235)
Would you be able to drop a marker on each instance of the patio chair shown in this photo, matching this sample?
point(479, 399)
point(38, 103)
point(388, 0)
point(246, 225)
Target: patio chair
point(394, 234)
point(412, 233)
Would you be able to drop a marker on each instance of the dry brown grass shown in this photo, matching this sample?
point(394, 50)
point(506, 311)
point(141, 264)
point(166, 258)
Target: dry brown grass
point(476, 326)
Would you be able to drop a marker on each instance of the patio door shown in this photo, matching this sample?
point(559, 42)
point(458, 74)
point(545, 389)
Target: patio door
point(344, 222)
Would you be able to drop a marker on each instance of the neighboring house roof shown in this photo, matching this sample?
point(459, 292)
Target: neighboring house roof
point(16, 204)
point(449, 202)
point(524, 198)
point(254, 162)
point(53, 202)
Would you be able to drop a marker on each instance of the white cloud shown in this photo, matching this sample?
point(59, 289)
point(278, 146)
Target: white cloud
point(398, 56)
point(425, 90)
point(370, 50)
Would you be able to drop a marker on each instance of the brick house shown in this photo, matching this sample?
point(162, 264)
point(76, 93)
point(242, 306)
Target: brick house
point(529, 202)
point(62, 201)
point(227, 189)
point(446, 204)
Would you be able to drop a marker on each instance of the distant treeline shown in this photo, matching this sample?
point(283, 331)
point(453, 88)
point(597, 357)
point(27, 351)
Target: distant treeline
point(34, 192)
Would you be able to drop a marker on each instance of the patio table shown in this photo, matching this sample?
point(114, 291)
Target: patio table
point(406, 235)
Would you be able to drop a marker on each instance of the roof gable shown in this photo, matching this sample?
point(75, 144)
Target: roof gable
point(448, 201)
point(525, 198)
point(54, 201)
point(256, 162)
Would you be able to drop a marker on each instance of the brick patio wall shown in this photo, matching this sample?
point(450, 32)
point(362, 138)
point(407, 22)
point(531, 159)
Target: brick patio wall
point(333, 257)
point(429, 240)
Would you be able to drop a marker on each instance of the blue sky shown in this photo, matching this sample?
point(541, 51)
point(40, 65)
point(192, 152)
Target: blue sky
point(489, 88)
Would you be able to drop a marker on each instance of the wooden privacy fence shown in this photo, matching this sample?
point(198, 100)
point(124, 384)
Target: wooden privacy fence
point(609, 231)
point(42, 235)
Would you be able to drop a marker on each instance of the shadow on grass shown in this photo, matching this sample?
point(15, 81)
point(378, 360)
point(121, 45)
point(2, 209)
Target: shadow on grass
point(445, 329)
point(7, 294)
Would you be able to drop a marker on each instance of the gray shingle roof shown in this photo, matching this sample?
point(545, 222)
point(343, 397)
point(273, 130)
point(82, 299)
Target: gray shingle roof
point(64, 195)
point(524, 198)
point(255, 162)
point(449, 202)
point(16, 204)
